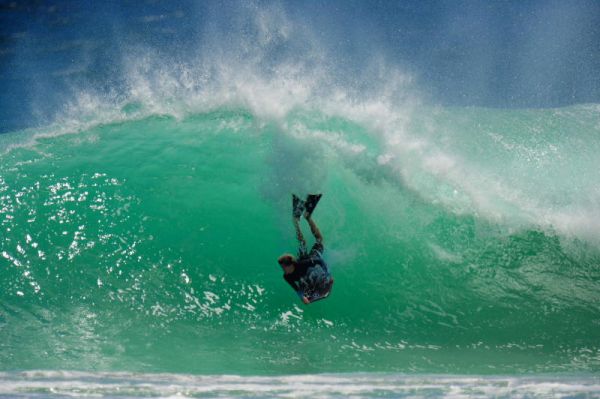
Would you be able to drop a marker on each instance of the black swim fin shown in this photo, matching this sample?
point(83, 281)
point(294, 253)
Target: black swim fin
point(311, 203)
point(297, 206)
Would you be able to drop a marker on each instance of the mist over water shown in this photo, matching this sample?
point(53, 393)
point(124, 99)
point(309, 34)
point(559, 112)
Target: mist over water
point(149, 153)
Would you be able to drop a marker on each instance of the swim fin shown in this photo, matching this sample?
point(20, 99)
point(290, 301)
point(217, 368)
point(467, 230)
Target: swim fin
point(297, 206)
point(311, 203)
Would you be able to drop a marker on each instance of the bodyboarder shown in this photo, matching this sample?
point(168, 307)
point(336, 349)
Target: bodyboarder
point(307, 274)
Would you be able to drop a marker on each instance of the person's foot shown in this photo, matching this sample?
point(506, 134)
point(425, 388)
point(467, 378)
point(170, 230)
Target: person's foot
point(298, 206)
point(310, 204)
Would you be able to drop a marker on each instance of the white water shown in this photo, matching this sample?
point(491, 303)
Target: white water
point(60, 384)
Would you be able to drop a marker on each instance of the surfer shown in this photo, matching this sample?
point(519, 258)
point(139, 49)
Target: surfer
point(307, 273)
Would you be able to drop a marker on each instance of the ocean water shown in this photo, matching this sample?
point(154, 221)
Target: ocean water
point(142, 220)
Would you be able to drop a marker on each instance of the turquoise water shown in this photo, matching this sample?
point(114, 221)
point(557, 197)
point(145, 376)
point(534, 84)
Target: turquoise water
point(149, 242)
point(149, 150)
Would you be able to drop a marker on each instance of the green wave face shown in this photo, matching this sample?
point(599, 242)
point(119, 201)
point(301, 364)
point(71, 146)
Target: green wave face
point(151, 245)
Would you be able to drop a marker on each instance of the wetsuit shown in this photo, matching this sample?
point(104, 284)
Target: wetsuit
point(305, 263)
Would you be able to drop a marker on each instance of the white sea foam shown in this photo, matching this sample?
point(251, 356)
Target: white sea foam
point(50, 384)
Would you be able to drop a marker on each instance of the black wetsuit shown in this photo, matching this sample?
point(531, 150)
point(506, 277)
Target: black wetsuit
point(303, 264)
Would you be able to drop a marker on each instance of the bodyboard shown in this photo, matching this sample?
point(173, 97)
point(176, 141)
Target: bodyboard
point(318, 295)
point(318, 284)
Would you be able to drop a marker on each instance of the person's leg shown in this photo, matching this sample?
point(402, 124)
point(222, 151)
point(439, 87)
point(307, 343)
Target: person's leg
point(314, 229)
point(299, 235)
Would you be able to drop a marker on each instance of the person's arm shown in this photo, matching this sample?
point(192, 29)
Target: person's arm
point(314, 229)
point(297, 289)
point(292, 283)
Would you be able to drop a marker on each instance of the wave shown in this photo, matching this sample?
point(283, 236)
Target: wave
point(134, 236)
point(141, 227)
